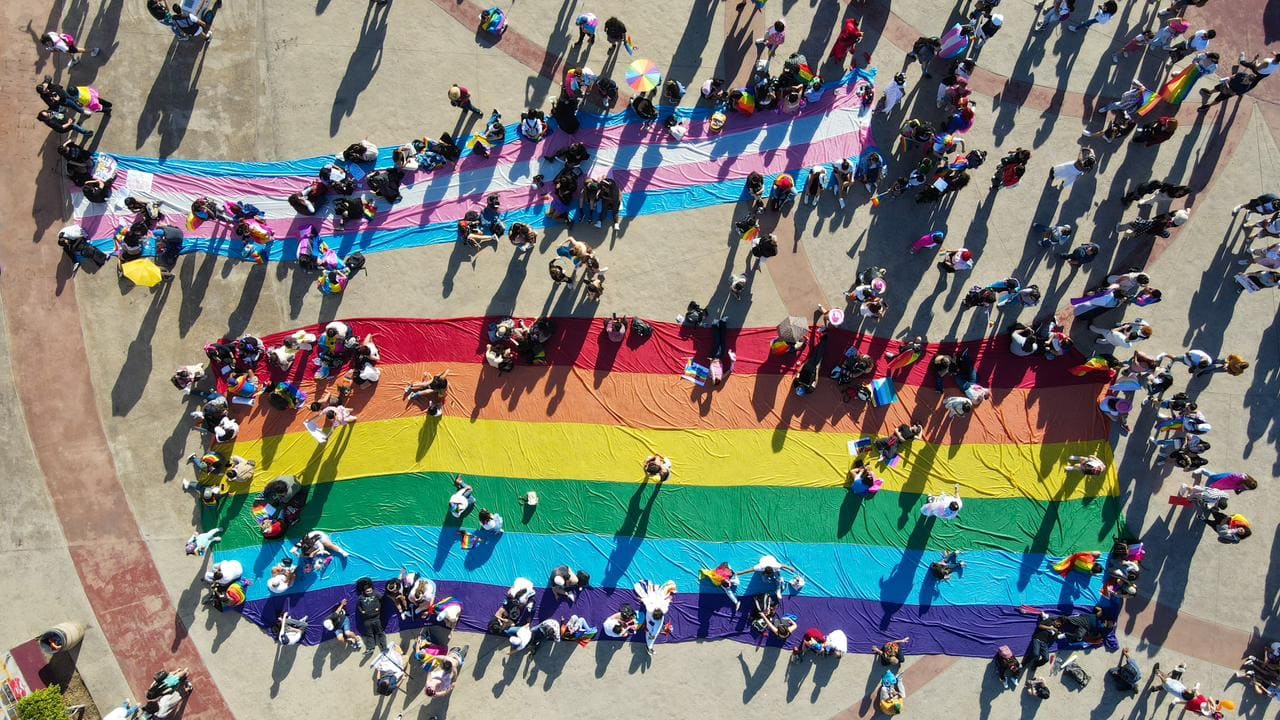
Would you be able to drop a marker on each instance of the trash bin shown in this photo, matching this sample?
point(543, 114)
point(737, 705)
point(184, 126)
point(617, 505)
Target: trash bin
point(61, 637)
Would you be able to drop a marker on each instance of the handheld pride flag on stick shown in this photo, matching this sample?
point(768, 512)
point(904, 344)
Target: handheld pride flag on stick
point(629, 45)
point(1174, 91)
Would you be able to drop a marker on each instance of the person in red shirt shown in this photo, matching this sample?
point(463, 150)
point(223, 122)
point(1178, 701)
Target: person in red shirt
point(813, 640)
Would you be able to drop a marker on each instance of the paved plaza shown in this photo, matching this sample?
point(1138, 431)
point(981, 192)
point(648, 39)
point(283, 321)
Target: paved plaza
point(92, 523)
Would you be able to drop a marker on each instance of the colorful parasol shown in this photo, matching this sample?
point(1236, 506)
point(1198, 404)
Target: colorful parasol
point(643, 75)
point(142, 272)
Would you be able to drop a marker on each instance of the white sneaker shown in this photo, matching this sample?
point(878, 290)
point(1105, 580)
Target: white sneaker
point(617, 225)
point(1236, 210)
point(599, 224)
point(842, 203)
point(187, 485)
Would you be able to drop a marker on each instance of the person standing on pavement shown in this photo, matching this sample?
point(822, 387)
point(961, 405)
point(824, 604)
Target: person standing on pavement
point(774, 37)
point(1240, 83)
point(1101, 17)
point(615, 32)
point(61, 121)
point(64, 44)
point(460, 97)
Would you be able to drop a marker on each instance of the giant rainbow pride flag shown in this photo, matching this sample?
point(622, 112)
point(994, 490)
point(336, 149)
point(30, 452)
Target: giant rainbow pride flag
point(757, 470)
point(656, 173)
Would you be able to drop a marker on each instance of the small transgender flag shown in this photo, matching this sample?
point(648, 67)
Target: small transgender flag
point(882, 392)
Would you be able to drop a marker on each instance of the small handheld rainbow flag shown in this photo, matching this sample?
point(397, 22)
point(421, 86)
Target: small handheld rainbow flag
point(875, 200)
point(467, 540)
point(629, 45)
point(883, 392)
point(805, 73)
point(751, 234)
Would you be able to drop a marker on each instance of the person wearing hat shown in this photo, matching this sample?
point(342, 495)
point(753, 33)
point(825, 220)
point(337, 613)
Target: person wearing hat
point(587, 25)
point(339, 624)
point(783, 192)
point(957, 260)
point(987, 29)
point(928, 241)
point(1116, 407)
point(460, 97)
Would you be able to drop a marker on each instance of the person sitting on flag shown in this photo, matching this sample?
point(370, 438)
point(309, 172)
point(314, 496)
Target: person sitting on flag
point(1083, 562)
point(891, 446)
point(862, 480)
point(943, 506)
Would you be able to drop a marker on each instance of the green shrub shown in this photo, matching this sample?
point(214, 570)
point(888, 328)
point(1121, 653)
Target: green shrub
point(43, 704)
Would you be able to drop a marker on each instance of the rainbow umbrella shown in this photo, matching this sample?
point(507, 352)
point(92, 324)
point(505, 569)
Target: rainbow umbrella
point(643, 75)
point(954, 43)
point(746, 103)
point(142, 272)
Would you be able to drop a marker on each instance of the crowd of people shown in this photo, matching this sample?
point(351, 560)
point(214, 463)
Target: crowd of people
point(934, 164)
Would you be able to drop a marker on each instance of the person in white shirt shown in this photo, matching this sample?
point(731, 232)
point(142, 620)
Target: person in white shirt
point(462, 500)
point(1101, 17)
point(1197, 43)
point(389, 671)
point(1264, 69)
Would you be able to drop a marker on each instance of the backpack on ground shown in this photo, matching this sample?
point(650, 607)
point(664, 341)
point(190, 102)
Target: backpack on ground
point(640, 328)
point(355, 263)
point(1076, 674)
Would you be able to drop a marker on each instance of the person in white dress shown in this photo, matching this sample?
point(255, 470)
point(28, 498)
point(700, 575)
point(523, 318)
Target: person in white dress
point(656, 601)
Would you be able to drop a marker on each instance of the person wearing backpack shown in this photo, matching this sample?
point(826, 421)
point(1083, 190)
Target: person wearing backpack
point(1007, 666)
